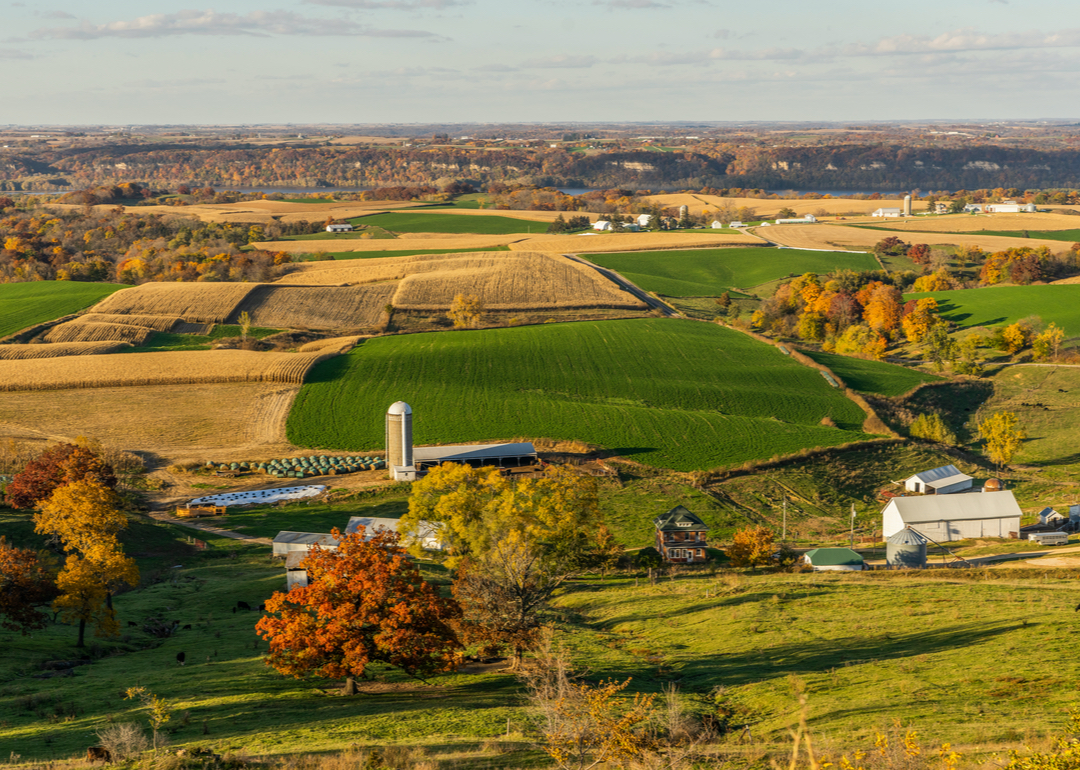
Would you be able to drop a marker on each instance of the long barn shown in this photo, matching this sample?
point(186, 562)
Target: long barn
point(954, 517)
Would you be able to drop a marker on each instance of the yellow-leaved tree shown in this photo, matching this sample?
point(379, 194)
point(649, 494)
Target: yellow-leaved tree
point(751, 547)
point(1002, 433)
point(86, 517)
point(466, 311)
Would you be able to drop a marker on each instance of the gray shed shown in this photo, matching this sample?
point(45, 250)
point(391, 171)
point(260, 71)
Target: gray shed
point(289, 542)
point(906, 549)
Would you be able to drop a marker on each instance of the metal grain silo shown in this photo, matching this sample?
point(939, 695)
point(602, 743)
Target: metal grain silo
point(399, 435)
point(906, 550)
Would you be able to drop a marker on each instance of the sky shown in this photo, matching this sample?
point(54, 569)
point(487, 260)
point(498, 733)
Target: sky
point(153, 62)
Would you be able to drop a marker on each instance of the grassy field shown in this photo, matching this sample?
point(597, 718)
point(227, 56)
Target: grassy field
point(26, 304)
point(1070, 236)
point(668, 393)
point(710, 272)
point(161, 341)
point(875, 377)
point(316, 516)
point(999, 305)
point(449, 223)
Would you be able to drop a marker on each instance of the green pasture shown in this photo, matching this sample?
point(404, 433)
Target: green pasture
point(1002, 305)
point(340, 255)
point(710, 272)
point(406, 222)
point(1070, 236)
point(315, 516)
point(162, 341)
point(664, 392)
point(876, 377)
point(25, 304)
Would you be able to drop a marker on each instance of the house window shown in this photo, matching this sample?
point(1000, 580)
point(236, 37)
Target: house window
point(684, 524)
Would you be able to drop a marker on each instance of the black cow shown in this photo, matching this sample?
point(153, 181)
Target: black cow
point(262, 607)
point(180, 658)
point(133, 624)
point(187, 627)
point(98, 754)
point(243, 606)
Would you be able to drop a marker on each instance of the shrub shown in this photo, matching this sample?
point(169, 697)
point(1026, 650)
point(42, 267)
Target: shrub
point(124, 740)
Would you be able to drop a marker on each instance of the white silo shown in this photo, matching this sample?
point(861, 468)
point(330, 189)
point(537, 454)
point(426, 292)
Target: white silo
point(399, 449)
point(907, 205)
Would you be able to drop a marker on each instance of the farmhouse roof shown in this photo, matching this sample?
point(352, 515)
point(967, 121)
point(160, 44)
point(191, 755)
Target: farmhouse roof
point(293, 559)
point(307, 538)
point(833, 557)
point(944, 476)
point(679, 519)
point(472, 452)
point(987, 505)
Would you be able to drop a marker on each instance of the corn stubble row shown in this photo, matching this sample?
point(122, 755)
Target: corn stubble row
point(315, 307)
point(199, 302)
point(58, 350)
point(82, 331)
point(169, 368)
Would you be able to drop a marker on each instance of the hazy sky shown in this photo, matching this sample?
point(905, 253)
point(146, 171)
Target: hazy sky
point(384, 61)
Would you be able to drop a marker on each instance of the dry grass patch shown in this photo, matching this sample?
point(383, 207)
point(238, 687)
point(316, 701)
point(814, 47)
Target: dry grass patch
point(170, 368)
point(58, 350)
point(826, 236)
point(515, 282)
point(159, 323)
point(199, 302)
point(267, 211)
point(332, 344)
point(389, 268)
point(770, 208)
point(316, 307)
point(968, 223)
point(80, 331)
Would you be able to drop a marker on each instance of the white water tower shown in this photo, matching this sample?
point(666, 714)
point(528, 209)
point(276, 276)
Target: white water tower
point(399, 436)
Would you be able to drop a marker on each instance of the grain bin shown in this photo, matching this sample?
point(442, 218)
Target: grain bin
point(399, 449)
point(906, 549)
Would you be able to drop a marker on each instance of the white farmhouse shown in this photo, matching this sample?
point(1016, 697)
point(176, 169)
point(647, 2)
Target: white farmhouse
point(345, 228)
point(717, 225)
point(887, 213)
point(602, 225)
point(938, 481)
point(644, 220)
point(954, 517)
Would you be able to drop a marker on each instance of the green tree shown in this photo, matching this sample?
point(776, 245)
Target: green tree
point(932, 428)
point(1003, 436)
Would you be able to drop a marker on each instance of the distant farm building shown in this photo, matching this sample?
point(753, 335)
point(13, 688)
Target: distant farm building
point(798, 221)
point(717, 225)
point(681, 536)
point(1010, 207)
point(632, 227)
point(906, 549)
point(601, 225)
point(429, 535)
point(295, 575)
point(736, 224)
point(834, 560)
point(345, 228)
point(973, 208)
point(301, 542)
point(887, 213)
point(955, 516)
point(644, 220)
point(938, 481)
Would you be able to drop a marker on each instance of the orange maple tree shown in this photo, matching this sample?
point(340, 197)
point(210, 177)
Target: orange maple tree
point(24, 584)
point(365, 603)
point(57, 466)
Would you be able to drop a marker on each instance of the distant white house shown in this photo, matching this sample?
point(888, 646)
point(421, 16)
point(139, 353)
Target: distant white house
point(799, 221)
point(1010, 207)
point(345, 228)
point(631, 227)
point(301, 542)
point(938, 481)
point(954, 517)
point(717, 224)
point(644, 220)
point(736, 224)
point(888, 213)
point(429, 534)
point(973, 208)
point(602, 224)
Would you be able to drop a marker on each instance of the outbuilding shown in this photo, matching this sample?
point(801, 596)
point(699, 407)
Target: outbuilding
point(644, 220)
point(295, 575)
point(301, 542)
point(938, 481)
point(344, 228)
point(954, 517)
point(429, 535)
point(602, 225)
point(834, 560)
point(887, 213)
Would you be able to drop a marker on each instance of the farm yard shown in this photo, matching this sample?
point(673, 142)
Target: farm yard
point(23, 305)
point(661, 392)
point(769, 208)
point(1006, 225)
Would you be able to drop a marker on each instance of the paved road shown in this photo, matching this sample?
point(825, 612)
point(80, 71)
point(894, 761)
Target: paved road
point(611, 275)
point(170, 519)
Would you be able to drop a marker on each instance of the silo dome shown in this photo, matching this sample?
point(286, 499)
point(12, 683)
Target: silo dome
point(993, 485)
point(399, 407)
point(906, 549)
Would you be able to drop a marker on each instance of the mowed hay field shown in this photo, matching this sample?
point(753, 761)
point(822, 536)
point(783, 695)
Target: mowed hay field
point(155, 369)
point(59, 349)
point(23, 305)
point(667, 393)
point(315, 307)
point(710, 272)
point(827, 236)
point(175, 421)
point(199, 302)
point(1002, 305)
point(767, 208)
point(266, 212)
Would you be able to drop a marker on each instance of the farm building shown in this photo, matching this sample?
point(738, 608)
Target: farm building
point(429, 536)
point(1010, 207)
point(736, 224)
point(602, 225)
point(833, 560)
point(887, 213)
point(938, 481)
point(631, 227)
point(906, 550)
point(345, 228)
point(954, 517)
point(717, 225)
point(681, 536)
point(644, 220)
point(301, 542)
point(798, 221)
point(295, 575)
point(973, 208)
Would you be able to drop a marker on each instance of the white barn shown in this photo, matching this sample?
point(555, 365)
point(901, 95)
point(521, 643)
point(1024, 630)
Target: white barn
point(887, 213)
point(954, 517)
point(301, 542)
point(346, 228)
point(429, 535)
point(1010, 207)
point(800, 221)
point(602, 225)
point(938, 481)
point(644, 220)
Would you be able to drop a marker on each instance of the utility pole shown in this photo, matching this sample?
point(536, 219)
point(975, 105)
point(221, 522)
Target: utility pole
point(783, 537)
point(853, 525)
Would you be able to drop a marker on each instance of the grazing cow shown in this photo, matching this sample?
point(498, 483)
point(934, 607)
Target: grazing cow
point(262, 607)
point(187, 626)
point(133, 624)
point(243, 605)
point(98, 754)
point(180, 657)
point(234, 610)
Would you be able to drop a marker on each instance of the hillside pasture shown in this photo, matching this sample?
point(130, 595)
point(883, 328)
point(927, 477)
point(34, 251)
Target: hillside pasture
point(1002, 305)
point(875, 377)
point(197, 302)
point(830, 236)
point(315, 307)
point(170, 368)
point(666, 393)
point(81, 331)
point(710, 272)
point(59, 349)
point(23, 305)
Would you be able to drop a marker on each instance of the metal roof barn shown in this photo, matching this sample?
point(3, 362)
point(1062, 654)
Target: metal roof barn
point(954, 517)
point(289, 542)
point(942, 481)
point(429, 533)
point(834, 560)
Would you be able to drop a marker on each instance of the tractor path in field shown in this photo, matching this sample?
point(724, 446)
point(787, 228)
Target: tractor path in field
point(626, 285)
point(170, 519)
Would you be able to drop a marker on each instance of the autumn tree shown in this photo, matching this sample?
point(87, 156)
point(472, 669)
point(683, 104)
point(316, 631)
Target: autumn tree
point(932, 428)
point(365, 603)
point(25, 584)
point(919, 253)
point(918, 322)
point(884, 309)
point(466, 311)
point(1003, 436)
point(58, 466)
point(1048, 342)
point(86, 518)
point(751, 547)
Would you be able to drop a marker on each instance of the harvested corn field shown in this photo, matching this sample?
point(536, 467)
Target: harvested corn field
point(404, 242)
point(516, 282)
point(270, 211)
point(316, 307)
point(577, 244)
point(390, 268)
point(972, 223)
point(841, 237)
point(159, 323)
point(58, 350)
point(768, 208)
point(331, 345)
point(181, 367)
point(200, 302)
point(80, 331)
